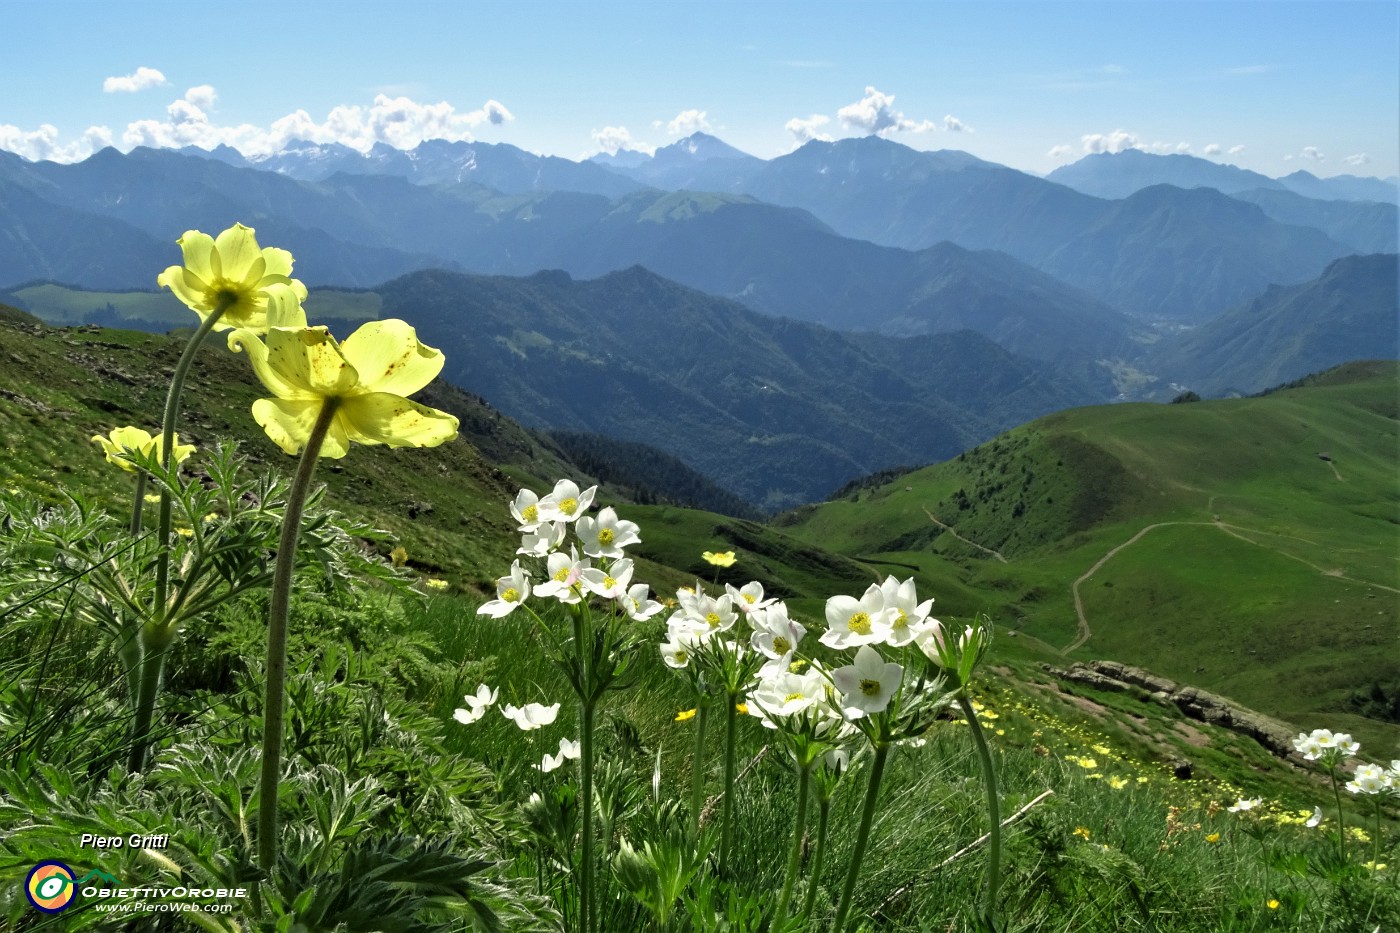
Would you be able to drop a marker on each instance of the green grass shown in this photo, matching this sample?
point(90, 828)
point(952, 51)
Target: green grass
point(159, 309)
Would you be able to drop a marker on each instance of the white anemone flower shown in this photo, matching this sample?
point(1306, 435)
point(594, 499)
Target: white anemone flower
point(1315, 820)
point(1368, 779)
point(606, 535)
point(511, 591)
point(851, 623)
point(785, 694)
point(566, 503)
point(776, 636)
point(544, 540)
point(907, 616)
point(748, 598)
point(611, 583)
point(717, 615)
point(531, 716)
point(676, 651)
point(867, 685)
point(477, 705)
point(569, 750)
point(637, 603)
point(525, 510)
point(565, 576)
point(1243, 804)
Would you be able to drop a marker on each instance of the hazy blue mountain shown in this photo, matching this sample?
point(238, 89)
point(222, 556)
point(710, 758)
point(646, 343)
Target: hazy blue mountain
point(776, 410)
point(699, 162)
point(1351, 311)
point(1119, 174)
point(1362, 226)
point(1343, 187)
point(1186, 254)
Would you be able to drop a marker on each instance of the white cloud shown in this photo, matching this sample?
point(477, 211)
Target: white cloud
point(139, 80)
point(953, 125)
point(1060, 152)
point(1117, 141)
point(613, 139)
point(43, 145)
point(396, 121)
point(1212, 149)
point(1312, 154)
point(1360, 158)
point(202, 96)
point(808, 129)
point(1234, 150)
point(687, 122)
point(875, 113)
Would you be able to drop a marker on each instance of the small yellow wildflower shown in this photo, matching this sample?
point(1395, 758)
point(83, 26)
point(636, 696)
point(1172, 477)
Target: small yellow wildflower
point(685, 715)
point(1374, 866)
point(437, 584)
point(1086, 763)
point(1359, 834)
point(1001, 732)
point(720, 558)
point(211, 517)
point(1082, 832)
point(1142, 779)
point(1213, 838)
point(152, 497)
point(185, 532)
point(1102, 749)
point(398, 556)
point(1117, 783)
point(1272, 904)
point(741, 708)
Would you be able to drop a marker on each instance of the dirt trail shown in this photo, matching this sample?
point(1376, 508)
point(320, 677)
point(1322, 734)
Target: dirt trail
point(1084, 633)
point(951, 531)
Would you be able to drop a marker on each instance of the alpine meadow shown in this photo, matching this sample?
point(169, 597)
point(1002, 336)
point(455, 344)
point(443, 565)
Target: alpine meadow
point(766, 468)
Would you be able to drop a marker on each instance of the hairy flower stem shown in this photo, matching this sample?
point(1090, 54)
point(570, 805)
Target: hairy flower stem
point(136, 504)
point(279, 602)
point(697, 766)
point(727, 803)
point(818, 856)
point(150, 661)
point(585, 742)
point(867, 817)
point(989, 779)
point(1341, 824)
point(804, 777)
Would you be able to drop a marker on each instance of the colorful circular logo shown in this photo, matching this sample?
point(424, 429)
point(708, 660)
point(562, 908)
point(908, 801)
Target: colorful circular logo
point(50, 887)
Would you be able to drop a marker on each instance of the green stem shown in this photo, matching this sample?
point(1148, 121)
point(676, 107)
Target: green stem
point(727, 802)
point(818, 856)
point(137, 503)
point(989, 779)
point(167, 448)
point(1341, 826)
point(586, 812)
point(279, 602)
point(804, 777)
point(697, 766)
point(867, 817)
point(152, 666)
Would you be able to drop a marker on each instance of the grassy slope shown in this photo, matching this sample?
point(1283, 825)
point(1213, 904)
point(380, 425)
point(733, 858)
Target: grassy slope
point(1277, 587)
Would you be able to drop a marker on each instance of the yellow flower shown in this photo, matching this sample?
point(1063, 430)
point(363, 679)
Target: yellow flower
point(685, 715)
point(1272, 904)
point(212, 517)
point(185, 532)
point(152, 496)
point(232, 268)
point(719, 559)
point(1213, 838)
point(398, 556)
point(1374, 866)
point(1117, 783)
point(1086, 763)
point(741, 708)
point(437, 584)
point(366, 378)
point(129, 438)
point(1082, 832)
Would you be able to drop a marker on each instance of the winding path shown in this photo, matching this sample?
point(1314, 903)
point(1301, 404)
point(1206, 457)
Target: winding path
point(951, 531)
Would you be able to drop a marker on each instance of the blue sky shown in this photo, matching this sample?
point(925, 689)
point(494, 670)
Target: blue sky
point(1270, 86)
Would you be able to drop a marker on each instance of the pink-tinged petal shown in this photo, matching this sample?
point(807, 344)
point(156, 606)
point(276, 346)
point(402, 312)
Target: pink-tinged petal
point(310, 359)
point(289, 422)
point(384, 418)
point(238, 254)
point(389, 358)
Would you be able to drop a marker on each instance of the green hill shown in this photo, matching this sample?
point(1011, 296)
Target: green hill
point(1248, 546)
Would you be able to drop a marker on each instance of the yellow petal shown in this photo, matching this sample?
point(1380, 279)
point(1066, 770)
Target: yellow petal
point(198, 250)
point(246, 341)
point(288, 422)
point(384, 418)
point(188, 287)
point(389, 358)
point(237, 252)
point(310, 359)
point(279, 262)
point(284, 307)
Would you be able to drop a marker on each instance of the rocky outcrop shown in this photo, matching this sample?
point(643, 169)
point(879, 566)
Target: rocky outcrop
point(1275, 735)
